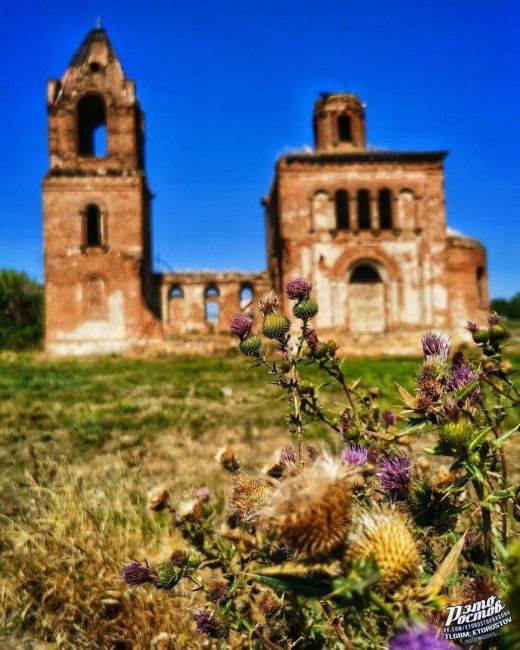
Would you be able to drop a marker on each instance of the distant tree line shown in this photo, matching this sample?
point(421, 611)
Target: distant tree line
point(21, 311)
point(509, 309)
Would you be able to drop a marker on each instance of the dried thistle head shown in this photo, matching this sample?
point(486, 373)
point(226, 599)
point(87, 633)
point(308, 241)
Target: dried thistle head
point(217, 591)
point(479, 587)
point(269, 604)
point(310, 512)
point(269, 303)
point(385, 535)
point(249, 496)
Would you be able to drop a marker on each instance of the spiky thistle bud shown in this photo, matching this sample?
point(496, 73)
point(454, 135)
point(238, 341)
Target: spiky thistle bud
point(276, 326)
point(240, 326)
point(310, 512)
point(436, 344)
point(251, 346)
point(454, 437)
point(385, 535)
point(167, 576)
point(451, 409)
point(249, 496)
point(298, 289)
point(395, 474)
point(305, 309)
point(269, 303)
point(497, 333)
point(135, 573)
point(418, 638)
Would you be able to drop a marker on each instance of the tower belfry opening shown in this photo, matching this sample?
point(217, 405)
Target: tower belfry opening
point(91, 126)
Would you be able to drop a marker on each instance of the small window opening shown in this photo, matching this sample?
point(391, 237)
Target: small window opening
point(211, 305)
point(342, 210)
point(247, 296)
point(480, 284)
point(385, 209)
point(176, 292)
point(94, 66)
point(365, 274)
point(95, 298)
point(344, 128)
point(363, 205)
point(93, 226)
point(92, 126)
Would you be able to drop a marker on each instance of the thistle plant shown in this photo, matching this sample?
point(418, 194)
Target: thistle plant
point(355, 545)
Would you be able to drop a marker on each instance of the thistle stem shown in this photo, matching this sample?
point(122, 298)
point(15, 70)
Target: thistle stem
point(384, 607)
point(335, 623)
point(486, 520)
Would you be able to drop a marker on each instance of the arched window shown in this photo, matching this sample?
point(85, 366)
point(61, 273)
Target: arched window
point(211, 305)
point(363, 206)
point(344, 128)
point(365, 274)
point(246, 297)
point(384, 201)
point(92, 126)
point(93, 236)
point(95, 298)
point(175, 291)
point(480, 272)
point(342, 210)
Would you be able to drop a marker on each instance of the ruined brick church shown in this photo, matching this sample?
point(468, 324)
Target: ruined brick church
point(368, 227)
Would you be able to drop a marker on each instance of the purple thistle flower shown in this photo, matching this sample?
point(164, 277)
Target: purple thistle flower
point(206, 622)
point(436, 344)
point(418, 638)
point(134, 573)
point(395, 474)
point(388, 418)
point(287, 455)
point(355, 454)
point(493, 318)
point(471, 326)
point(461, 376)
point(203, 494)
point(298, 289)
point(240, 326)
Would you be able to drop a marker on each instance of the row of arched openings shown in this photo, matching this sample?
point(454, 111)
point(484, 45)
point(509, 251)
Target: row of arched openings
point(212, 299)
point(363, 199)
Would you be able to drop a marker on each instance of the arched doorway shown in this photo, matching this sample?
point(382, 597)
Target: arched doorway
point(366, 299)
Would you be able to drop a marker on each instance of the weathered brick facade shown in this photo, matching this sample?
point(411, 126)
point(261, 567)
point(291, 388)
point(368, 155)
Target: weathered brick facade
point(367, 227)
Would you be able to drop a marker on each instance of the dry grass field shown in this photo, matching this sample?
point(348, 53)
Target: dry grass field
point(82, 443)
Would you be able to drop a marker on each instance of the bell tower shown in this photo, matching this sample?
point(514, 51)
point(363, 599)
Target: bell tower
point(339, 123)
point(99, 290)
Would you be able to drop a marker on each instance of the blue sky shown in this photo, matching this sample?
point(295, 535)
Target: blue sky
point(227, 86)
